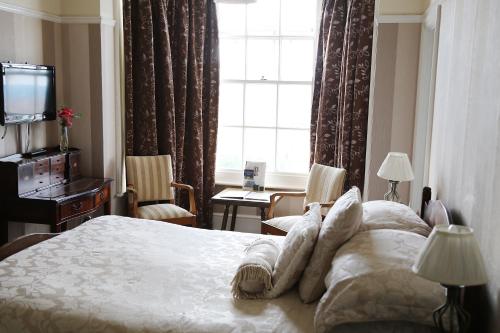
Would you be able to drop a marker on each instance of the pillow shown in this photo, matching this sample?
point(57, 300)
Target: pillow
point(254, 274)
point(383, 214)
point(371, 280)
point(340, 224)
point(296, 251)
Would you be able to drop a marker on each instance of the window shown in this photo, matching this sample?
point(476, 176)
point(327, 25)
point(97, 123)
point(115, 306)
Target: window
point(267, 53)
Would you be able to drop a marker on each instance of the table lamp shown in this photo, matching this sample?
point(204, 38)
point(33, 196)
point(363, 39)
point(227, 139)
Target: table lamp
point(395, 168)
point(451, 256)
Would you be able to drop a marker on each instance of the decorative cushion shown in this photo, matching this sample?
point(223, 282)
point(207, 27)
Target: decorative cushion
point(381, 214)
point(296, 251)
point(161, 212)
point(253, 277)
point(284, 223)
point(371, 280)
point(340, 224)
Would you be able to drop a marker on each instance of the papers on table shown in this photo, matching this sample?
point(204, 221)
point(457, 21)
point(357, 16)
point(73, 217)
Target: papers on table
point(246, 195)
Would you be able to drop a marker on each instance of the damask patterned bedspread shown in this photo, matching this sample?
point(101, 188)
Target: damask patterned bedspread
point(118, 274)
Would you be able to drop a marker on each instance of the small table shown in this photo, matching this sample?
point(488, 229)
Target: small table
point(235, 202)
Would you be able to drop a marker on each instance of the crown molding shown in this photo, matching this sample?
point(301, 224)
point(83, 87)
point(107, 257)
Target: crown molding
point(10, 8)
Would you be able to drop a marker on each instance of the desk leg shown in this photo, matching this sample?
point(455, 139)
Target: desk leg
point(224, 219)
point(262, 214)
point(107, 207)
point(233, 217)
point(4, 231)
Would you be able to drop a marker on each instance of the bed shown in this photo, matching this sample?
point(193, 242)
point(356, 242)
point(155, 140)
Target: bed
point(119, 274)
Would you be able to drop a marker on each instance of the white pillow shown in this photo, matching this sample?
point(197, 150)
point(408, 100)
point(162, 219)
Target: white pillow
point(296, 251)
point(371, 280)
point(340, 224)
point(381, 214)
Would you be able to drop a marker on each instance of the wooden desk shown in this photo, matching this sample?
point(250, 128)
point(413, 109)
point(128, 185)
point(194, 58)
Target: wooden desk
point(75, 202)
point(48, 189)
point(219, 199)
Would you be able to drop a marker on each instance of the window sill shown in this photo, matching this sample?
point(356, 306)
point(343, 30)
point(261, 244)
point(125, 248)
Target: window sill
point(284, 181)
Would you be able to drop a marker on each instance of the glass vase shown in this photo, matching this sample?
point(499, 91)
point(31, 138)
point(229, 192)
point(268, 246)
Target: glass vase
point(63, 140)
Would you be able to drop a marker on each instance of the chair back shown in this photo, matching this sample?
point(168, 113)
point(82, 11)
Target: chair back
point(150, 176)
point(324, 184)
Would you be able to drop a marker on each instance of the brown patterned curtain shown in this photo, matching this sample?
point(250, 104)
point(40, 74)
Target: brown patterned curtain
point(171, 88)
point(339, 114)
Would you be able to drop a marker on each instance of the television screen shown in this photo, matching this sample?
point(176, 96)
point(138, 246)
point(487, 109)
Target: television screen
point(27, 93)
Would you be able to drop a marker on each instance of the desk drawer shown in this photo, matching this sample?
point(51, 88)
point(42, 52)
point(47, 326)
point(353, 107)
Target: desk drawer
point(76, 207)
point(102, 196)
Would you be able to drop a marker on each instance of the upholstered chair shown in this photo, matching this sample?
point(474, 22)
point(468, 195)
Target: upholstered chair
point(324, 185)
point(150, 189)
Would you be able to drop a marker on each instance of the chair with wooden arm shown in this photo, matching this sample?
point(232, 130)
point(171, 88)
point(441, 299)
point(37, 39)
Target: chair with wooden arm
point(150, 190)
point(324, 185)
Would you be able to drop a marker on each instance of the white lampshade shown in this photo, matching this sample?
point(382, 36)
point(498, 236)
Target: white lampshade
point(397, 167)
point(451, 256)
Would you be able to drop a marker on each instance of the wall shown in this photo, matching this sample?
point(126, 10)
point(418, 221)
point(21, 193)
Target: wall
point(391, 120)
point(465, 152)
point(402, 7)
point(84, 56)
point(26, 39)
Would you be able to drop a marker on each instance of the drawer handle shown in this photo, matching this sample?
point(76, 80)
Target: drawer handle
point(101, 195)
point(76, 206)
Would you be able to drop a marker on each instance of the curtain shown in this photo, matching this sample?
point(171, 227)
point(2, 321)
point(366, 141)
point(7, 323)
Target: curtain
point(171, 89)
point(339, 113)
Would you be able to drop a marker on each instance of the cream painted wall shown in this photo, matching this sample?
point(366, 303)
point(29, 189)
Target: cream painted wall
point(47, 6)
point(392, 119)
point(26, 39)
point(102, 8)
point(402, 7)
point(465, 153)
point(80, 8)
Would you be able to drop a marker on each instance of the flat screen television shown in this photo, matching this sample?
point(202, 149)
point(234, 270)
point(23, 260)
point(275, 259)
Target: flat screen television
point(27, 93)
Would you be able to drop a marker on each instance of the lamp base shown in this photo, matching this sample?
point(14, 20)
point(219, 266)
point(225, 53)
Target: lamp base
point(451, 316)
point(393, 194)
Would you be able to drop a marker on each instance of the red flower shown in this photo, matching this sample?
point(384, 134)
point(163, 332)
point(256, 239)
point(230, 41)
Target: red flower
point(66, 116)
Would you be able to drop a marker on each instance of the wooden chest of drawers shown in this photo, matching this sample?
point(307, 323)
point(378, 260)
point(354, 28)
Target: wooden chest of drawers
point(49, 190)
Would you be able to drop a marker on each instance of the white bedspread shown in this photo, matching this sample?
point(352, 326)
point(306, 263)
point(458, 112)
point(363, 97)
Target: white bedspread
point(118, 274)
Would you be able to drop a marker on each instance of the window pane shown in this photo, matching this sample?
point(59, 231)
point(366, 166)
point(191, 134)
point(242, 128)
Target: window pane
point(229, 144)
point(259, 146)
point(298, 17)
point(260, 105)
point(232, 58)
point(262, 59)
point(294, 106)
point(263, 18)
point(231, 104)
point(297, 60)
point(231, 19)
point(293, 151)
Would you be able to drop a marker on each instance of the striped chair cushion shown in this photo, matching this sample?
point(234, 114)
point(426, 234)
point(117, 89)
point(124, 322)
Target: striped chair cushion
point(284, 223)
point(324, 184)
point(162, 212)
point(151, 177)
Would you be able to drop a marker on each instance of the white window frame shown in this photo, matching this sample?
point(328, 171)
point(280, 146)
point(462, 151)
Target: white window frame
point(277, 180)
